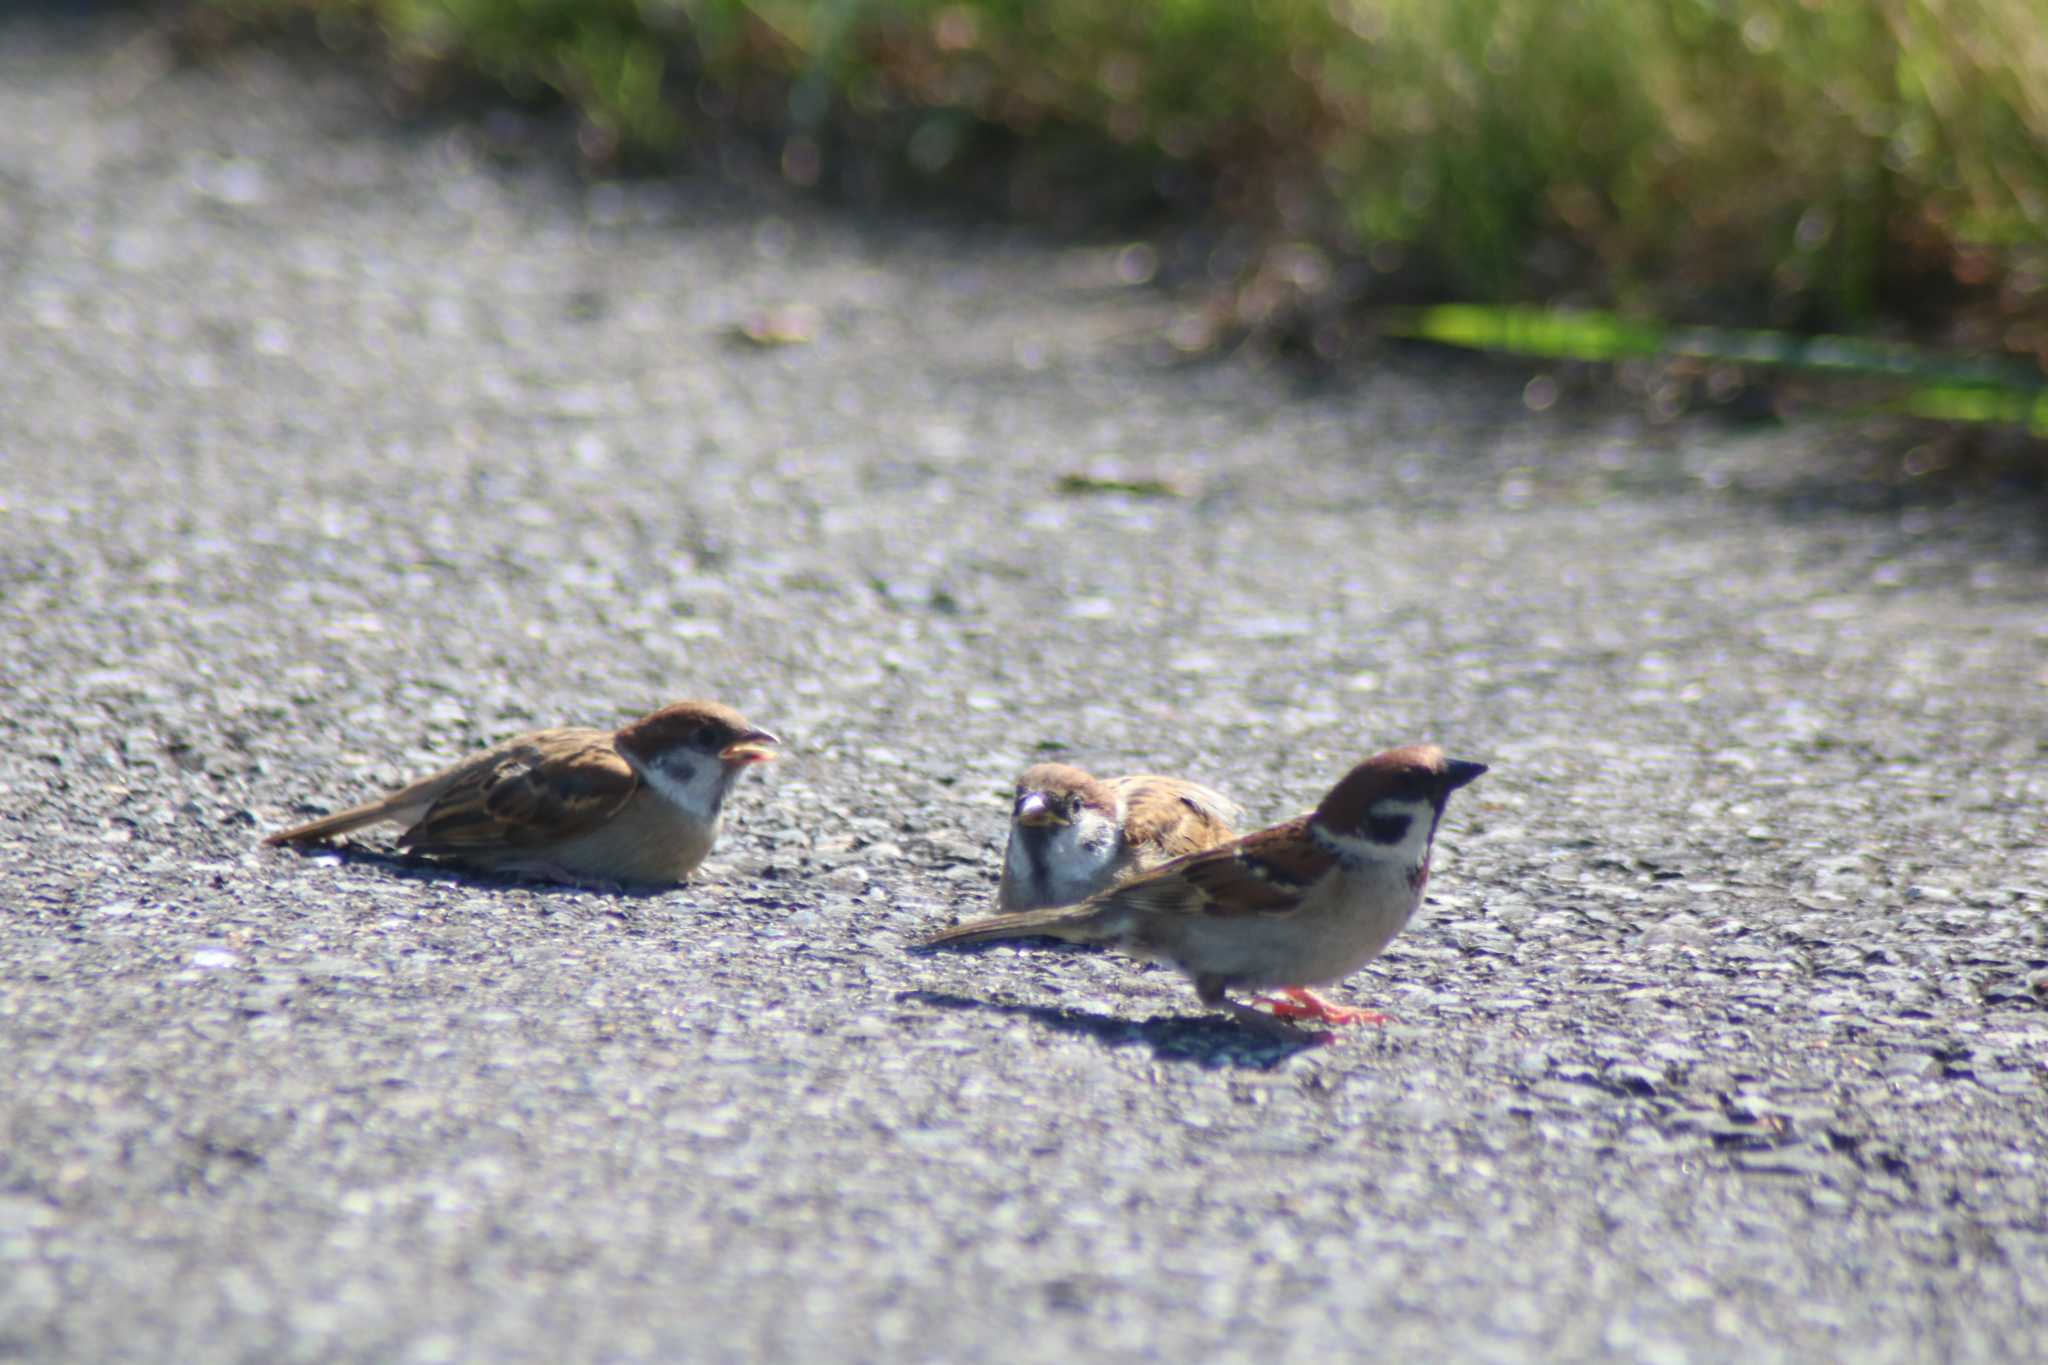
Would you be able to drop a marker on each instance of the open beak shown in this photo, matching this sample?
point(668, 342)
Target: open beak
point(1035, 812)
point(755, 746)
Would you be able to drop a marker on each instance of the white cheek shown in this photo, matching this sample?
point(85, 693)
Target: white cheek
point(1077, 858)
point(1412, 848)
point(701, 795)
point(1352, 848)
point(1090, 848)
point(1094, 839)
point(1414, 845)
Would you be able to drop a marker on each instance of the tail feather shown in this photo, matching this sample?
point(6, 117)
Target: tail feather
point(341, 822)
point(1072, 923)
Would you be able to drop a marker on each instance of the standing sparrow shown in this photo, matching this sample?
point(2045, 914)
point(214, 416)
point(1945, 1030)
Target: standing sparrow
point(639, 804)
point(1301, 904)
point(1072, 835)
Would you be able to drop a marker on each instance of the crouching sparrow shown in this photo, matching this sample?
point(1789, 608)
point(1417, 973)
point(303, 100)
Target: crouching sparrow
point(1072, 835)
point(639, 804)
point(1304, 903)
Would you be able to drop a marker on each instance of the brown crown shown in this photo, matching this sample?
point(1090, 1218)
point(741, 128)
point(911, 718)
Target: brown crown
point(706, 725)
point(1057, 779)
point(1415, 772)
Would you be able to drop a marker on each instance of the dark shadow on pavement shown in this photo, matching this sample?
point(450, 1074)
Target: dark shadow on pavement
point(1205, 1039)
point(412, 867)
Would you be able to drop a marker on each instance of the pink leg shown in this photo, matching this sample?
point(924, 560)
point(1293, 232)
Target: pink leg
point(1299, 1002)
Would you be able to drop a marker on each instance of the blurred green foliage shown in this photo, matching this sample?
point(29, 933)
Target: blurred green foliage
point(1797, 162)
point(1938, 386)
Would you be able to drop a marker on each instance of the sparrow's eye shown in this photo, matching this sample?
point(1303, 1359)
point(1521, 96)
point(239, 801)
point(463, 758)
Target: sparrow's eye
point(1388, 829)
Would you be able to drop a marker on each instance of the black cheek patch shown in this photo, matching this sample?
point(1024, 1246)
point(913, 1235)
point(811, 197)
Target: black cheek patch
point(1389, 829)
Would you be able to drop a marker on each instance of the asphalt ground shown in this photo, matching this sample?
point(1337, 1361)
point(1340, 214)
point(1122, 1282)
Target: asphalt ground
point(333, 447)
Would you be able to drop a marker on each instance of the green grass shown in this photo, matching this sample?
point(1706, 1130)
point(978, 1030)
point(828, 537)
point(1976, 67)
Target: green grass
point(1789, 163)
point(1928, 384)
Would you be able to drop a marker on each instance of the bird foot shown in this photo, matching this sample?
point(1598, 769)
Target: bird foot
point(1299, 1002)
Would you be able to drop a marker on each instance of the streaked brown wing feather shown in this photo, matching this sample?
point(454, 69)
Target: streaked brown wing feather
point(1261, 874)
point(535, 790)
point(1174, 817)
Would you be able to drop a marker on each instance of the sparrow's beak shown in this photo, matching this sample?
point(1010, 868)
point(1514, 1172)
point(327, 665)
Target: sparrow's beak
point(1035, 812)
point(1457, 773)
point(751, 747)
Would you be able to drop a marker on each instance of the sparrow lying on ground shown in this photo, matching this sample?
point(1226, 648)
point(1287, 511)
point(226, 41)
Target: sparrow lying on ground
point(1301, 904)
point(640, 804)
point(1072, 835)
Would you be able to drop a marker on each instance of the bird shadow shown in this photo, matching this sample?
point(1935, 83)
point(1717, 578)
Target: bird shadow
point(1202, 1039)
point(413, 867)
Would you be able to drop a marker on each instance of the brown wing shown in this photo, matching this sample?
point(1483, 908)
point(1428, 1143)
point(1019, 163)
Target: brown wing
point(535, 790)
point(1165, 817)
point(1261, 874)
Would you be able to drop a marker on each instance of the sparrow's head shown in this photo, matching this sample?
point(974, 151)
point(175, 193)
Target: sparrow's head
point(1053, 796)
point(1066, 832)
point(692, 751)
point(1388, 806)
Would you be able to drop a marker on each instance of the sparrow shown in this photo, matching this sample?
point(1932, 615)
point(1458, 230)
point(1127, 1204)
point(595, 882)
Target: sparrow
point(639, 804)
point(1301, 904)
point(1072, 835)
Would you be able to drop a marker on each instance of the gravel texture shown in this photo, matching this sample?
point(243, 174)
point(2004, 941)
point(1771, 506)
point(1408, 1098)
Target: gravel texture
point(334, 448)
